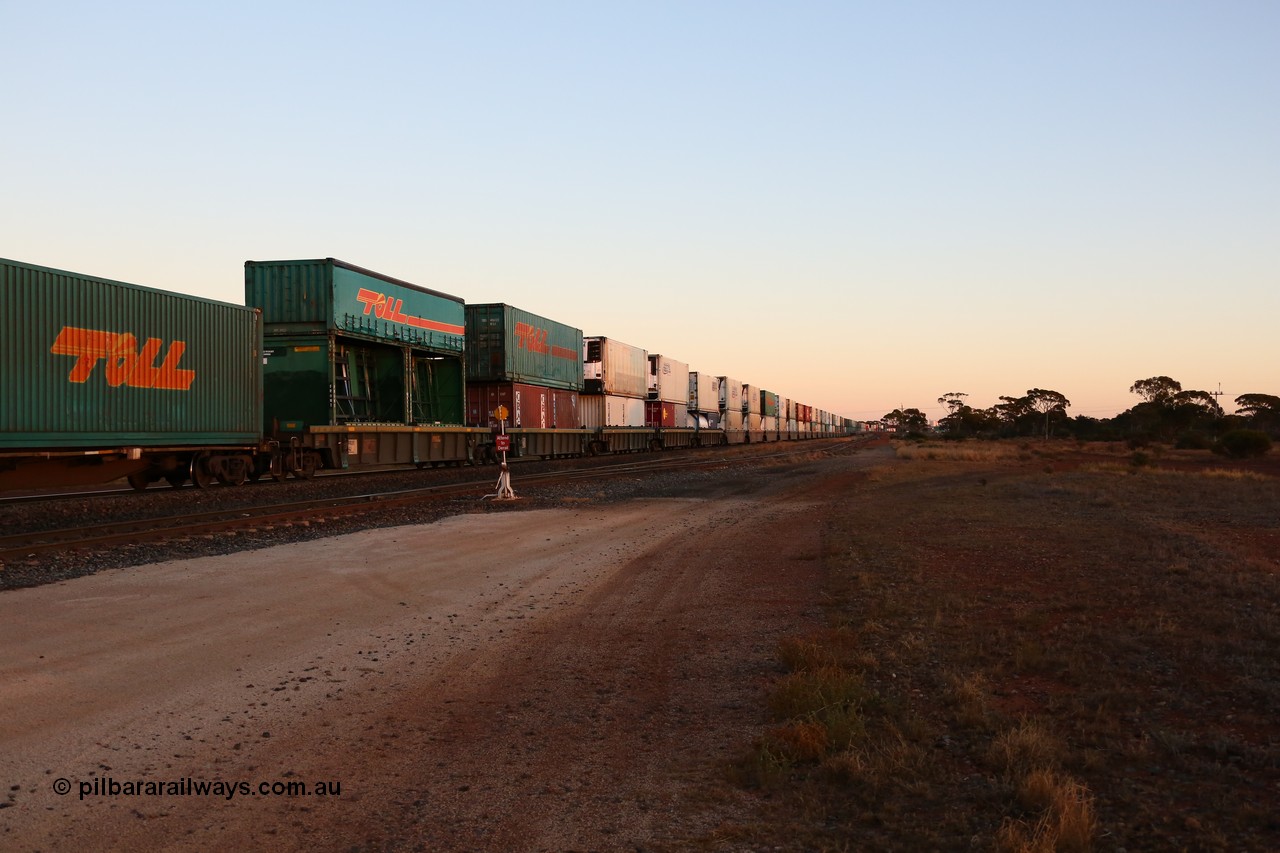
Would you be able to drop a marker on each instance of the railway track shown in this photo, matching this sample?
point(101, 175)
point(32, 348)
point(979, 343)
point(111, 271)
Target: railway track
point(227, 520)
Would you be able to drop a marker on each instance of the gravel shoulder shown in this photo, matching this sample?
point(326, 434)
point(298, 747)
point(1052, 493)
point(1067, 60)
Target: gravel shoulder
point(575, 674)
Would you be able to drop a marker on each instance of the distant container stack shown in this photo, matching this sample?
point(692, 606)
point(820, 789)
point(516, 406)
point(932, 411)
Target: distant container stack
point(668, 387)
point(732, 417)
point(704, 400)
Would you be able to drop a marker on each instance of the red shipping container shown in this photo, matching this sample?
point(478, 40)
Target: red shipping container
point(659, 413)
point(528, 406)
point(565, 413)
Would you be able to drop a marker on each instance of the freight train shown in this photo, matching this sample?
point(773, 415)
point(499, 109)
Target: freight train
point(329, 365)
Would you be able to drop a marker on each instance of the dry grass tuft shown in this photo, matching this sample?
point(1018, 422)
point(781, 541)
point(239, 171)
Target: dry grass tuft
point(1067, 822)
point(1029, 746)
point(957, 452)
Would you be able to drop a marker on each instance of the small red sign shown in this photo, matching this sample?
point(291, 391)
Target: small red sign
point(502, 443)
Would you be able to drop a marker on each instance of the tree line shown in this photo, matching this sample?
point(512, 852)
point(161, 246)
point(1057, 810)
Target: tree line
point(1167, 413)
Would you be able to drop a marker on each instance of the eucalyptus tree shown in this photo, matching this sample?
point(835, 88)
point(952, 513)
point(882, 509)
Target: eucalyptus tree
point(1047, 403)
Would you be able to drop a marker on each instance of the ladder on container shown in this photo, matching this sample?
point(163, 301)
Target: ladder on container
point(349, 404)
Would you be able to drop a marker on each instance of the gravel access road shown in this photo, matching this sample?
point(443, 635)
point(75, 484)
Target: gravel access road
point(569, 675)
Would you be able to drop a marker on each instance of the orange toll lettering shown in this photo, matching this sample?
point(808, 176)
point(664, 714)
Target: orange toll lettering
point(124, 363)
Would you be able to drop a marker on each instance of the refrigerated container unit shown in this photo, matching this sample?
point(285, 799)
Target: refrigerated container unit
point(612, 367)
point(668, 379)
point(731, 420)
point(364, 368)
point(704, 392)
point(103, 379)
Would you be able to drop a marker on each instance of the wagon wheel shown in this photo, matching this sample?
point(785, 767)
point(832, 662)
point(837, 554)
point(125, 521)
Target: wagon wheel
point(200, 475)
point(233, 472)
point(139, 480)
point(175, 479)
point(306, 467)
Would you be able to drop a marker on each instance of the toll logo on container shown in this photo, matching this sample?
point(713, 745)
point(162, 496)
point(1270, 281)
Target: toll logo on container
point(124, 363)
point(534, 339)
point(391, 309)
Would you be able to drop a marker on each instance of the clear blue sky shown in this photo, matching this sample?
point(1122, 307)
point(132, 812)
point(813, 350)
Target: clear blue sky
point(856, 204)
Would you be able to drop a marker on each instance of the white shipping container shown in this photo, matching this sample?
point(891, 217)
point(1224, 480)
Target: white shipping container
point(730, 394)
point(704, 392)
point(750, 399)
point(612, 367)
point(668, 379)
point(610, 410)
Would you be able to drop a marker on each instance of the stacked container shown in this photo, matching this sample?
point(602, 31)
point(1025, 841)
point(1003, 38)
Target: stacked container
point(364, 368)
point(668, 387)
point(524, 362)
point(615, 383)
point(731, 413)
point(704, 400)
point(346, 345)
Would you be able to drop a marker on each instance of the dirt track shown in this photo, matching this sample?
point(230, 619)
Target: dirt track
point(570, 677)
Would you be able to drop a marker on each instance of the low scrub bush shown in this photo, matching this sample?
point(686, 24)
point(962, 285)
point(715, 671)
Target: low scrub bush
point(1243, 444)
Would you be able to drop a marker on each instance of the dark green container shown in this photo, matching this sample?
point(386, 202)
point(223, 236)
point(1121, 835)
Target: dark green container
point(506, 344)
point(335, 380)
point(330, 295)
point(770, 404)
point(87, 362)
point(344, 345)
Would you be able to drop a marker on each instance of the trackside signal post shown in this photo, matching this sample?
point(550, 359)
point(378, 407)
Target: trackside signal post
point(502, 443)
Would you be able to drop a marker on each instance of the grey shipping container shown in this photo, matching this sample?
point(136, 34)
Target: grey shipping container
point(90, 362)
point(506, 344)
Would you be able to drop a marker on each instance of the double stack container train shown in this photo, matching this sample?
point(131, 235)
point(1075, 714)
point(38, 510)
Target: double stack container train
point(330, 365)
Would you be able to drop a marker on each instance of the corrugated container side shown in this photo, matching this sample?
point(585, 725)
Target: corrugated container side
point(704, 392)
point(528, 406)
point(507, 344)
point(730, 394)
point(612, 367)
point(660, 413)
point(750, 399)
point(566, 411)
point(668, 379)
point(611, 410)
point(328, 294)
point(768, 404)
point(92, 362)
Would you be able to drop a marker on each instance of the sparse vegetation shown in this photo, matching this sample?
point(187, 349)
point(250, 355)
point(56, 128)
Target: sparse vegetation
point(1022, 662)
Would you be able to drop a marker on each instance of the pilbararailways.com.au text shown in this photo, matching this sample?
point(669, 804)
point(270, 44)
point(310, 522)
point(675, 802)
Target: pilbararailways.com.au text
point(188, 787)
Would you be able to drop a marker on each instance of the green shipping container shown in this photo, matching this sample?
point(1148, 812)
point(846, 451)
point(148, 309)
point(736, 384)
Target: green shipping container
point(330, 295)
point(345, 345)
point(94, 363)
point(333, 380)
point(506, 344)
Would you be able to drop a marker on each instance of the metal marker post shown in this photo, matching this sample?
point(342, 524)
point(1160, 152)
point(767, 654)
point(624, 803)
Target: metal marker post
point(502, 443)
